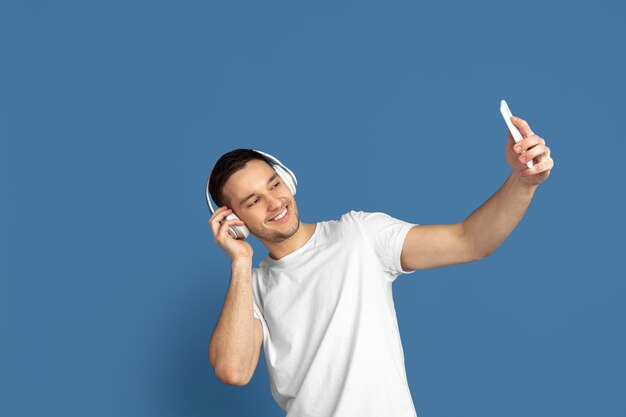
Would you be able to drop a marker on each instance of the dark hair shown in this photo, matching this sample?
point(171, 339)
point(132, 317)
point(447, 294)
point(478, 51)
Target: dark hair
point(227, 165)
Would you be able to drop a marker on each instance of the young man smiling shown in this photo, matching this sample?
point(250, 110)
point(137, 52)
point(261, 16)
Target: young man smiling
point(321, 302)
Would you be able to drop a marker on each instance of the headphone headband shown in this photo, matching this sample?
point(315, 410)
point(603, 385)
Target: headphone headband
point(287, 175)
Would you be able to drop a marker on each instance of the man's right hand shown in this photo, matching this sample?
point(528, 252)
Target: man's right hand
point(234, 248)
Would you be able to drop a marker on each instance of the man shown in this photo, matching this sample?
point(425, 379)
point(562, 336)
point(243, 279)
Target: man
point(321, 302)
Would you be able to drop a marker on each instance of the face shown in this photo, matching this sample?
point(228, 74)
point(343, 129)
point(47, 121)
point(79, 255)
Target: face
point(258, 196)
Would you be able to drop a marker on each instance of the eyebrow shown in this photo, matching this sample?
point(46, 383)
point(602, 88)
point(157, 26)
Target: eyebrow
point(253, 194)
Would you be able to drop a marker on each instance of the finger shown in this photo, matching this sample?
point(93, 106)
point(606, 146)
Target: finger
point(221, 215)
point(522, 125)
point(215, 225)
point(544, 155)
point(536, 152)
point(218, 211)
point(218, 218)
point(223, 230)
point(526, 143)
point(544, 165)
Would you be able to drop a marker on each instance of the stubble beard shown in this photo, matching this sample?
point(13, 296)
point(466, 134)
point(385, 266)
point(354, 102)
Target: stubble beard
point(272, 236)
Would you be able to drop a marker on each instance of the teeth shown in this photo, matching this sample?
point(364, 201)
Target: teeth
point(281, 215)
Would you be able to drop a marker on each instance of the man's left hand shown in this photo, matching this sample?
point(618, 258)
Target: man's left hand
point(531, 147)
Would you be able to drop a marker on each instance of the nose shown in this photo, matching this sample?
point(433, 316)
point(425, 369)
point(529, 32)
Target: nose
point(274, 203)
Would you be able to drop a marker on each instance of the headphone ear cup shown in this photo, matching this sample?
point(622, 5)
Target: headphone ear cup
point(237, 231)
point(286, 178)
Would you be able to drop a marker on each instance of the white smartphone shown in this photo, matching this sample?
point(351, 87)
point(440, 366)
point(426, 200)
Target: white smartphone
point(517, 136)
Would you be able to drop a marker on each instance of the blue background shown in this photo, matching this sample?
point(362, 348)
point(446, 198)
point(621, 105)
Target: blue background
point(113, 113)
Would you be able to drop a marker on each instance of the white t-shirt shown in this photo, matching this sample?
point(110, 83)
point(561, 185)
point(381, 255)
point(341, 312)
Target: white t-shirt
point(330, 333)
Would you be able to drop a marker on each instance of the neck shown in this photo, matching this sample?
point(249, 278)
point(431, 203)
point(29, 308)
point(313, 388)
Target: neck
point(279, 250)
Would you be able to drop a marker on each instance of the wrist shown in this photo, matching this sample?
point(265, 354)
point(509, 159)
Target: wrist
point(241, 261)
point(521, 183)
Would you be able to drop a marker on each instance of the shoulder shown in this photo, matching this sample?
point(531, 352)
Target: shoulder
point(372, 225)
point(364, 218)
point(377, 225)
point(261, 272)
point(356, 216)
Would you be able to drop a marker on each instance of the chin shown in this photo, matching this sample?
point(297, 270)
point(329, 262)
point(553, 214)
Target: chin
point(279, 233)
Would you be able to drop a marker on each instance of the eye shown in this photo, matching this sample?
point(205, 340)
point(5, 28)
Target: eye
point(277, 184)
point(253, 203)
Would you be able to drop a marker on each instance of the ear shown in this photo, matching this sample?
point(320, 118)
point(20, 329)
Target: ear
point(225, 200)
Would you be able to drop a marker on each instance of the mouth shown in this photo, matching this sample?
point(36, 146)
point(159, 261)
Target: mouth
point(282, 217)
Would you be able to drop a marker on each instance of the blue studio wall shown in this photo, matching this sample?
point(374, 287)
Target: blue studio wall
point(113, 113)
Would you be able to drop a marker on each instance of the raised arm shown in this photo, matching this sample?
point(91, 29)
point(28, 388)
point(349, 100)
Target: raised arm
point(235, 345)
point(488, 226)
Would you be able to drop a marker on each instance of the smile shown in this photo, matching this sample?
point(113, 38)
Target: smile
point(281, 215)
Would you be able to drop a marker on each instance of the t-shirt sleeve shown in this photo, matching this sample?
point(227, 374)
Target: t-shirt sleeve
point(255, 306)
point(386, 234)
point(256, 311)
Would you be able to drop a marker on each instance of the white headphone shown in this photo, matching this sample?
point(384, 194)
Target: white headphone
point(288, 177)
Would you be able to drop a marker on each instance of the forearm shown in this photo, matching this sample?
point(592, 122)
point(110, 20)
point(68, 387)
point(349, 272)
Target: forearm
point(489, 225)
point(232, 343)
